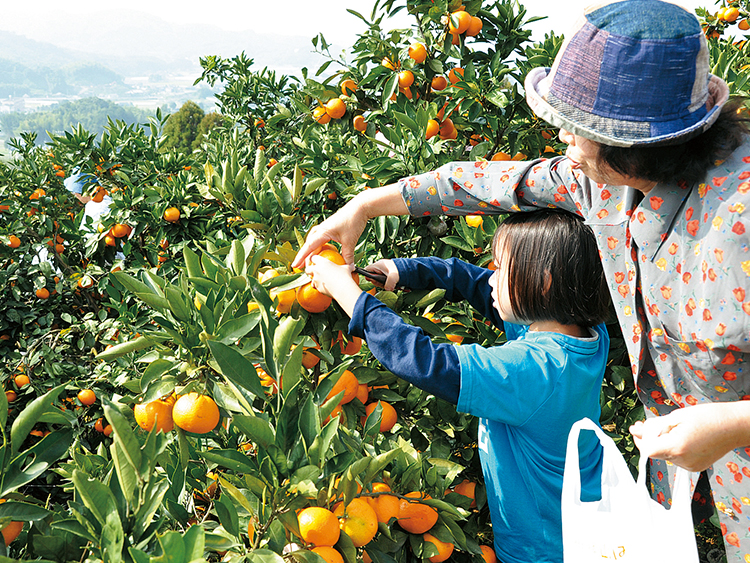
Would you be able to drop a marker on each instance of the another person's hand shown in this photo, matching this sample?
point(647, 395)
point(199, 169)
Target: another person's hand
point(695, 437)
point(348, 223)
point(388, 268)
point(345, 227)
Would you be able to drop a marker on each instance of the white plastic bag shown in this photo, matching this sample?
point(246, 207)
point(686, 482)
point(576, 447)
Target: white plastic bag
point(626, 525)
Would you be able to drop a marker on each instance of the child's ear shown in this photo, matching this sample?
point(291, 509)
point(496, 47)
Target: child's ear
point(547, 282)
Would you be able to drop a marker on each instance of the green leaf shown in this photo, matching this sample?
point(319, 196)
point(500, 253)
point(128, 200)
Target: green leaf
point(177, 305)
point(407, 121)
point(237, 258)
point(264, 556)
point(30, 415)
point(432, 297)
point(287, 331)
point(234, 329)
point(292, 372)
point(318, 451)
point(126, 473)
point(95, 496)
point(309, 424)
point(315, 185)
point(140, 343)
point(23, 511)
point(132, 284)
point(231, 459)
point(457, 242)
point(227, 515)
point(256, 429)
point(236, 494)
point(194, 541)
point(123, 434)
point(236, 368)
point(44, 453)
point(3, 411)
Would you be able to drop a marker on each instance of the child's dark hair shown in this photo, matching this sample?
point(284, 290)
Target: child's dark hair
point(554, 270)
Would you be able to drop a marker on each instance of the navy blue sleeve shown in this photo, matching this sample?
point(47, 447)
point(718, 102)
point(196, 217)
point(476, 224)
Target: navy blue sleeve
point(462, 282)
point(405, 350)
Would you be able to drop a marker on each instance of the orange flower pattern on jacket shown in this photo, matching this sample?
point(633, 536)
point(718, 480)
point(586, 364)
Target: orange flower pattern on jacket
point(676, 259)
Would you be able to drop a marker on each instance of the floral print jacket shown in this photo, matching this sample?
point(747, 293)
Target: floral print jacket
point(677, 261)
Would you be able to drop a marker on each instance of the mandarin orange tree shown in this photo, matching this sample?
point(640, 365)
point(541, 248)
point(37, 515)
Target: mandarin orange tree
point(229, 399)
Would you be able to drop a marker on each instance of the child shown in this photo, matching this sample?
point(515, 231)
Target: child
point(549, 296)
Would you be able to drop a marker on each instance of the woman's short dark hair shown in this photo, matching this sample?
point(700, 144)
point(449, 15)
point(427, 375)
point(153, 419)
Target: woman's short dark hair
point(554, 269)
point(687, 162)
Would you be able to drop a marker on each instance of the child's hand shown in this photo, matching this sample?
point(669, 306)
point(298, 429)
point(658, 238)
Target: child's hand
point(388, 268)
point(327, 277)
point(335, 281)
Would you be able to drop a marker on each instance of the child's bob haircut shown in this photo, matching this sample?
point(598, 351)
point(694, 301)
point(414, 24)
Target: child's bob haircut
point(554, 270)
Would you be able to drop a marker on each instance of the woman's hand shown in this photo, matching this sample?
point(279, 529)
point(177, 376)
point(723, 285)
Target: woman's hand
point(345, 227)
point(388, 268)
point(348, 223)
point(695, 437)
point(335, 281)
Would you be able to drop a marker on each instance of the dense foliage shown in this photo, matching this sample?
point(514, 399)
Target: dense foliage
point(182, 286)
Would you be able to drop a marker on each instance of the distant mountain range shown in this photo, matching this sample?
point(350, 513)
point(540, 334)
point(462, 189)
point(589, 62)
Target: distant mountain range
point(135, 44)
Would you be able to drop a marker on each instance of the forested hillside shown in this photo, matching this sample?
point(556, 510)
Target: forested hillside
point(92, 113)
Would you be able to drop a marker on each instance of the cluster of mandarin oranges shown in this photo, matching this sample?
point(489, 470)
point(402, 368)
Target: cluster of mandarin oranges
point(320, 528)
point(192, 412)
point(458, 23)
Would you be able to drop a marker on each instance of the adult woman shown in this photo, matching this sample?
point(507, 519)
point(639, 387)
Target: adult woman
point(659, 166)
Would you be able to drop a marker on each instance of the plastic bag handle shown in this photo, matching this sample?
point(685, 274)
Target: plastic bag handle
point(613, 462)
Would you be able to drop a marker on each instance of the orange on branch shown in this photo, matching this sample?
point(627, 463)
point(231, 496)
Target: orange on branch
point(312, 300)
point(359, 124)
point(500, 156)
point(172, 214)
point(321, 115)
point(418, 52)
point(347, 383)
point(21, 380)
point(154, 413)
point(352, 345)
point(467, 488)
point(42, 293)
point(445, 549)
point(358, 520)
point(439, 83)
point(488, 554)
point(87, 397)
point(405, 78)
point(474, 27)
point(386, 506)
point(336, 108)
point(14, 241)
point(432, 129)
point(363, 392)
point(120, 230)
point(455, 75)
point(195, 413)
point(414, 516)
point(459, 21)
point(388, 418)
point(285, 300)
point(318, 526)
point(348, 87)
point(328, 553)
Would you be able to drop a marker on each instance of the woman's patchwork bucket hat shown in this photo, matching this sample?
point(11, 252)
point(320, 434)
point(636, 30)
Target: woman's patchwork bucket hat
point(631, 73)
